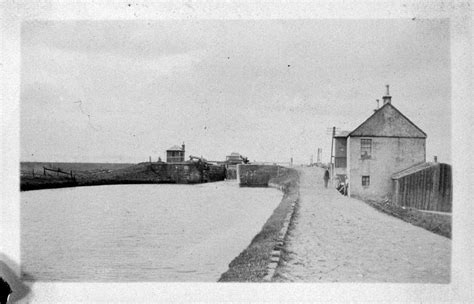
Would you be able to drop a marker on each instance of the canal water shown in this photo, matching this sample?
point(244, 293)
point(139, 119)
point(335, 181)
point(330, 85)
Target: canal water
point(126, 233)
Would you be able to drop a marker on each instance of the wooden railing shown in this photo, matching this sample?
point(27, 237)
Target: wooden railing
point(58, 171)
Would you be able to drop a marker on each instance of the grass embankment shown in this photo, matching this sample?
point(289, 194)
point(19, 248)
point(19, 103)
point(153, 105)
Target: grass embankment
point(143, 173)
point(251, 264)
point(34, 177)
point(437, 223)
point(140, 173)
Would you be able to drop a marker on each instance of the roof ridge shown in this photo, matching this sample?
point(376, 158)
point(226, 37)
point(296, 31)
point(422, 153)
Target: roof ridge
point(373, 114)
point(397, 111)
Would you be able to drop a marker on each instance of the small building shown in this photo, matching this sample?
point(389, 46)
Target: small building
point(426, 186)
point(175, 154)
point(340, 155)
point(386, 143)
point(234, 159)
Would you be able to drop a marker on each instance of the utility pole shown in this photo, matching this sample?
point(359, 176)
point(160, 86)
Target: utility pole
point(331, 163)
point(332, 151)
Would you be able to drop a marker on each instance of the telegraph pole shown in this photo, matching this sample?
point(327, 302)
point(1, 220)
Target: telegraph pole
point(333, 132)
point(332, 151)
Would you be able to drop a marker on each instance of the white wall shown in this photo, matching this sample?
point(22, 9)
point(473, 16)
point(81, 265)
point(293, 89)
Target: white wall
point(389, 155)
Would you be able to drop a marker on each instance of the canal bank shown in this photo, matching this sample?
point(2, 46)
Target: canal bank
point(257, 263)
point(189, 172)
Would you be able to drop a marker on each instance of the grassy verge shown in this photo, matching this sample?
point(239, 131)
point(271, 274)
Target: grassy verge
point(45, 182)
point(436, 223)
point(251, 264)
point(285, 253)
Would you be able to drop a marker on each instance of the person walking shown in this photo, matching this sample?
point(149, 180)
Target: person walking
point(326, 178)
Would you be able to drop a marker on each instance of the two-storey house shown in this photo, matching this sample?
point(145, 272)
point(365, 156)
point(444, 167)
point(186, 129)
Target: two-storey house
point(387, 142)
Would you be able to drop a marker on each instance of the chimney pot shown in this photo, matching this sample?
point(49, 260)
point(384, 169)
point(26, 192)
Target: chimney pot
point(375, 110)
point(387, 98)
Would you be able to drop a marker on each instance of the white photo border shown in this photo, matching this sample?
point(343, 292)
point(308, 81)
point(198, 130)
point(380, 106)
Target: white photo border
point(459, 13)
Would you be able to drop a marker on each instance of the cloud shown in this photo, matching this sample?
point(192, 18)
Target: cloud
point(47, 64)
point(253, 84)
point(104, 82)
point(143, 39)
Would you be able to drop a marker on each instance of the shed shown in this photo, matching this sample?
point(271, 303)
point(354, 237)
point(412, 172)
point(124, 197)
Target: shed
point(425, 186)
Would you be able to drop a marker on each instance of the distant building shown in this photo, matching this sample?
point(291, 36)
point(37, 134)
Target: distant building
point(386, 143)
point(175, 154)
point(234, 159)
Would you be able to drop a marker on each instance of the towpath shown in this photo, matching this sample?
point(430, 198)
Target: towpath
point(339, 239)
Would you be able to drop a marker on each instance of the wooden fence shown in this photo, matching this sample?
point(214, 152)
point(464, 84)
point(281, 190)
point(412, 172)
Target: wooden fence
point(57, 172)
point(429, 188)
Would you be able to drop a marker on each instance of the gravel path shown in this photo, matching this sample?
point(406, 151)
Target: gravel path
point(339, 239)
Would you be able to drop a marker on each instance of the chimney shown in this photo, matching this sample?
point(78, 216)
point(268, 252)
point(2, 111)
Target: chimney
point(436, 159)
point(378, 105)
point(387, 98)
point(182, 146)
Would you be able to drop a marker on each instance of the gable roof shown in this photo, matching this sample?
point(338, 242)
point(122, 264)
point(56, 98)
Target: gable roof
point(413, 169)
point(388, 121)
point(342, 134)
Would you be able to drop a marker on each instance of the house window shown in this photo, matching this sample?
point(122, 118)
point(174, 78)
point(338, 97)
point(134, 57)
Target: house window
point(365, 180)
point(365, 148)
point(340, 162)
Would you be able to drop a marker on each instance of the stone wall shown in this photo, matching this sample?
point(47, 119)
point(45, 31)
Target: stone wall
point(180, 173)
point(231, 172)
point(190, 173)
point(216, 173)
point(258, 175)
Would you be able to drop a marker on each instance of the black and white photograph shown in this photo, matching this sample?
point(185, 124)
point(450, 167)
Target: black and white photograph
point(263, 148)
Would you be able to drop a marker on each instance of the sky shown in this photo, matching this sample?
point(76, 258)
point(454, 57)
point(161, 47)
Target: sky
point(122, 91)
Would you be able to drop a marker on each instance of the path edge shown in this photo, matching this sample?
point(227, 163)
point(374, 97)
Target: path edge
point(276, 254)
